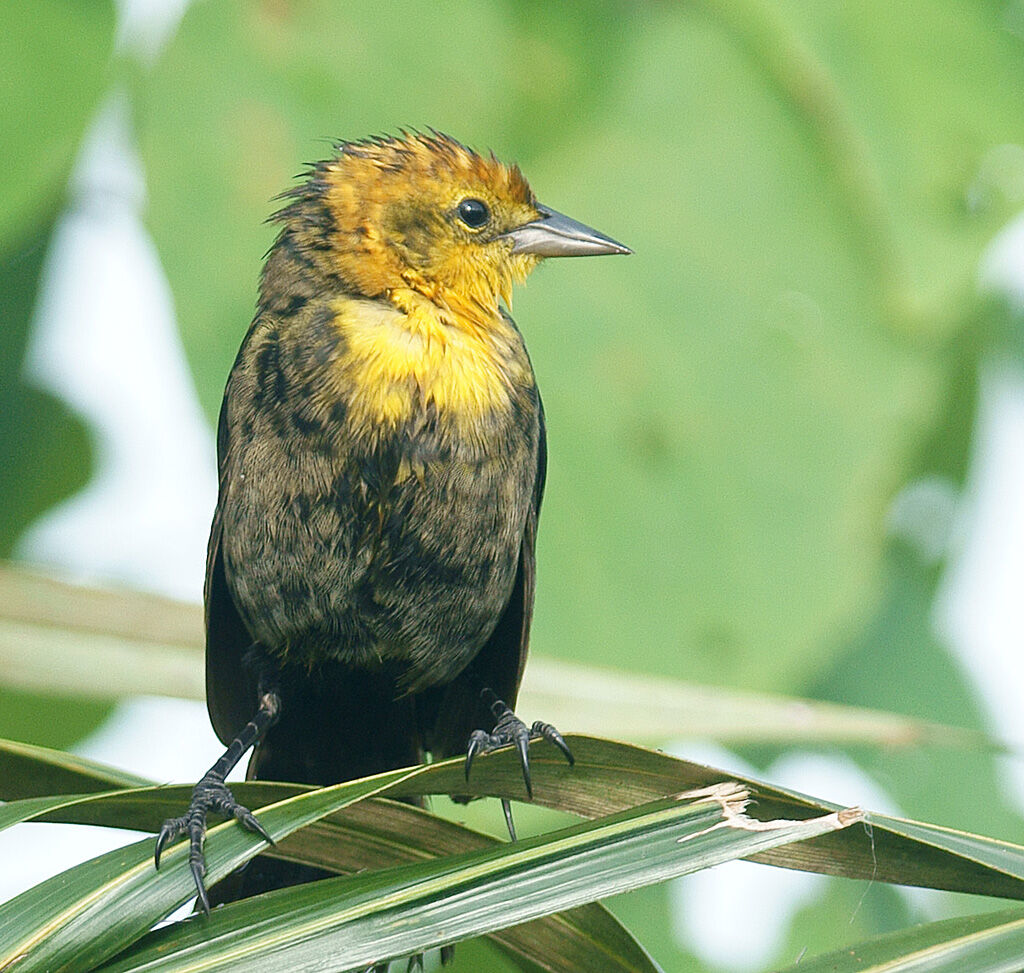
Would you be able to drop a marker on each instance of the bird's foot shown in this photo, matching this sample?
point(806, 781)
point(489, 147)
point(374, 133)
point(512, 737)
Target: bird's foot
point(510, 730)
point(210, 794)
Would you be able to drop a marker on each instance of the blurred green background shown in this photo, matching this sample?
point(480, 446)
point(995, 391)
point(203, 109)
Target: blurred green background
point(732, 412)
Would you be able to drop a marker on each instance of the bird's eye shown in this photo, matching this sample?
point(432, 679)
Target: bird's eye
point(474, 213)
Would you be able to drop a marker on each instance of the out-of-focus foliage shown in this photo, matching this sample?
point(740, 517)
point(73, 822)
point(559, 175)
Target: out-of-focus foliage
point(56, 59)
point(808, 188)
point(44, 449)
point(54, 67)
point(732, 409)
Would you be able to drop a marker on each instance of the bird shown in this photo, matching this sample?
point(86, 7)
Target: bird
point(381, 453)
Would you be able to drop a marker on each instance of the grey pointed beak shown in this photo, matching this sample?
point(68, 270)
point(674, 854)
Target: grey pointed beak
point(556, 235)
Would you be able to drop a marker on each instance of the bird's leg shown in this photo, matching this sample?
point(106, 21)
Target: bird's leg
point(509, 729)
point(212, 794)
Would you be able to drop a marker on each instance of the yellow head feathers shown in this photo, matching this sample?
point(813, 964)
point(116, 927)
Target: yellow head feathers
point(422, 217)
point(421, 213)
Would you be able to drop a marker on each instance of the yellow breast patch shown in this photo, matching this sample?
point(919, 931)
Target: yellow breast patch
point(400, 357)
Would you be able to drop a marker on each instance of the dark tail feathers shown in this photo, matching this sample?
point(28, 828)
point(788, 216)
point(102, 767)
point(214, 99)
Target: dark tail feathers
point(335, 727)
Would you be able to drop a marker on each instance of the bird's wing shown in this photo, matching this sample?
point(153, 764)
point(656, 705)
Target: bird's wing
point(499, 664)
point(230, 684)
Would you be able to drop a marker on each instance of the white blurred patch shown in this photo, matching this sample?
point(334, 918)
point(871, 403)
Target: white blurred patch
point(924, 516)
point(34, 852)
point(145, 26)
point(166, 740)
point(980, 609)
point(1001, 269)
point(106, 342)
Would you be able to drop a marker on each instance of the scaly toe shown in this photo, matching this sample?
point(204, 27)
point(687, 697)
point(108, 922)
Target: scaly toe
point(210, 794)
point(547, 732)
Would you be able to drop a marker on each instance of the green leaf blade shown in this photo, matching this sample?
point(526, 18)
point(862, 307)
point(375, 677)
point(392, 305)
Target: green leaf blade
point(87, 913)
point(992, 943)
point(366, 918)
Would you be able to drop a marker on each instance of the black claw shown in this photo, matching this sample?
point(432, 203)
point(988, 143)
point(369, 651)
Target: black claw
point(523, 746)
point(549, 733)
point(253, 824)
point(472, 750)
point(447, 954)
point(198, 873)
point(170, 830)
point(506, 806)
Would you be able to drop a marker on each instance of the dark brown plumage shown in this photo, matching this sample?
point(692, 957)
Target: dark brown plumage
point(381, 451)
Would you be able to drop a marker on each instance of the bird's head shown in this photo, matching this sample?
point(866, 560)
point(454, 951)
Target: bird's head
point(423, 213)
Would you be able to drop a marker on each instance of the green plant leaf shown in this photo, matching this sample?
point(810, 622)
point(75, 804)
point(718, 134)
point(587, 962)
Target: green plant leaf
point(86, 914)
point(46, 455)
point(990, 943)
point(610, 778)
point(740, 399)
point(366, 918)
point(371, 834)
point(27, 770)
point(63, 638)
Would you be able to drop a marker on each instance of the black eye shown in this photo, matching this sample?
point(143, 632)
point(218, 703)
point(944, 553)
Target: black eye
point(474, 213)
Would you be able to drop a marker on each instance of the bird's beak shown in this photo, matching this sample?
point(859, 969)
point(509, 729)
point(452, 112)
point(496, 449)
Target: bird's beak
point(556, 235)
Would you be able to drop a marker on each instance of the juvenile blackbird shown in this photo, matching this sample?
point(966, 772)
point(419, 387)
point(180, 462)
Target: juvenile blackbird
point(381, 448)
